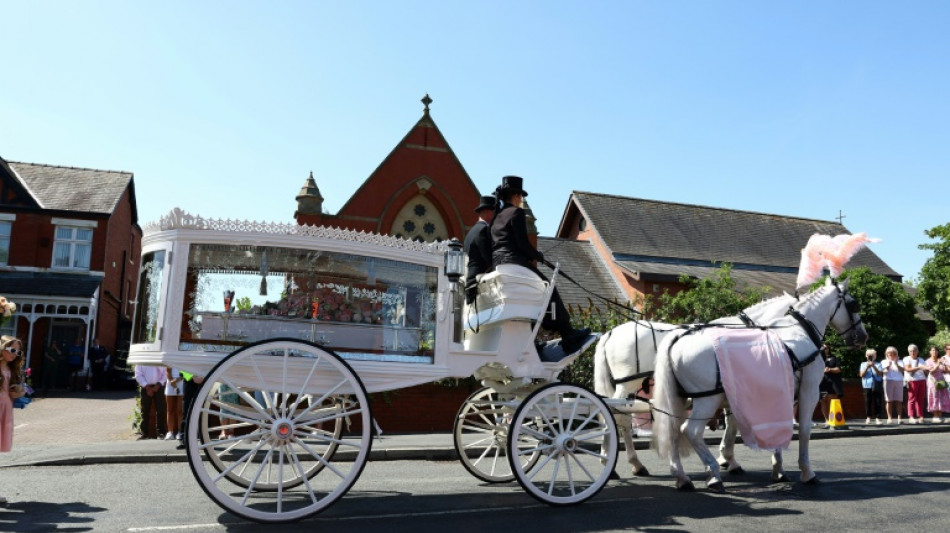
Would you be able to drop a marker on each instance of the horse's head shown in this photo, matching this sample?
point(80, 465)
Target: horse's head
point(845, 318)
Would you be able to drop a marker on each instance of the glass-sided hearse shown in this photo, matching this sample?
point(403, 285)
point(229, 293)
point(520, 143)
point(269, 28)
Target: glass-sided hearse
point(290, 327)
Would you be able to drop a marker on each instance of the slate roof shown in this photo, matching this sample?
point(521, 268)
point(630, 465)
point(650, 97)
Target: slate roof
point(84, 190)
point(580, 260)
point(650, 236)
point(48, 284)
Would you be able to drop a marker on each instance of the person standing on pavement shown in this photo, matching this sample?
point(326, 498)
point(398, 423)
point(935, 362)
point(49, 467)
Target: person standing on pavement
point(151, 380)
point(916, 377)
point(98, 359)
point(872, 381)
point(173, 402)
point(893, 384)
point(510, 245)
point(831, 387)
point(11, 388)
point(938, 396)
point(51, 361)
point(192, 384)
point(478, 247)
point(75, 362)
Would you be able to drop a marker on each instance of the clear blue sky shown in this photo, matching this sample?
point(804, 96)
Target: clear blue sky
point(223, 108)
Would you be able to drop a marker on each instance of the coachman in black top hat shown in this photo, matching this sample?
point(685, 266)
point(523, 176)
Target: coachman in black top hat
point(478, 247)
point(510, 244)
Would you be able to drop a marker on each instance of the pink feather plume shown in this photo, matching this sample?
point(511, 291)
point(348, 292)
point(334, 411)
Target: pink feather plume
point(824, 251)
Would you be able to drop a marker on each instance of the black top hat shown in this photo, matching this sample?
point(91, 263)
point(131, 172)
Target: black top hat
point(487, 202)
point(511, 185)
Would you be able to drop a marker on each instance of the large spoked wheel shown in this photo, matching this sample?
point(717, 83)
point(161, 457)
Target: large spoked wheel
point(280, 430)
point(481, 436)
point(575, 433)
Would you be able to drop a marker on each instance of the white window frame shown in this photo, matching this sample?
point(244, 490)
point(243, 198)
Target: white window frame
point(6, 220)
point(74, 225)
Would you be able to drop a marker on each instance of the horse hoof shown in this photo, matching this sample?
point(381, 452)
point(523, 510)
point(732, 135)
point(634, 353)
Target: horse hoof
point(686, 487)
point(613, 475)
point(782, 478)
point(737, 471)
point(813, 481)
point(642, 472)
point(716, 486)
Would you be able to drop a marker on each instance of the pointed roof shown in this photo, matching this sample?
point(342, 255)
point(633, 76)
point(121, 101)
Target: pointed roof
point(83, 190)
point(425, 137)
point(581, 261)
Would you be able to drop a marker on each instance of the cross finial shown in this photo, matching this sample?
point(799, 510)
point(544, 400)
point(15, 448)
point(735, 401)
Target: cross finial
point(426, 101)
point(841, 216)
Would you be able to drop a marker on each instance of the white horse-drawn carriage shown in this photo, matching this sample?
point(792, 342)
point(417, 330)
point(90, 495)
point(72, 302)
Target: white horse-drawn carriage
point(292, 327)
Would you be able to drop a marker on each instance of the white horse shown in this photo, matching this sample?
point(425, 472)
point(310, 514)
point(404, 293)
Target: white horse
point(690, 361)
point(626, 355)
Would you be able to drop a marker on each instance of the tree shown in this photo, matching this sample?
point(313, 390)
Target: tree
point(933, 290)
point(889, 316)
point(707, 299)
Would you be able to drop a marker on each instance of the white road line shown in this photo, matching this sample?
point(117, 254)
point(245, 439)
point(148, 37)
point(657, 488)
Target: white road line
point(186, 527)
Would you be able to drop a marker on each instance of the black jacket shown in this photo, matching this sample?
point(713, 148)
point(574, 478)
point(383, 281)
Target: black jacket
point(479, 250)
point(509, 234)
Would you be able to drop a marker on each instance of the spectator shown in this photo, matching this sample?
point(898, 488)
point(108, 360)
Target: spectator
point(75, 362)
point(893, 384)
point(915, 375)
point(173, 402)
point(51, 361)
point(11, 387)
point(938, 397)
point(832, 387)
point(192, 384)
point(151, 380)
point(98, 364)
point(872, 381)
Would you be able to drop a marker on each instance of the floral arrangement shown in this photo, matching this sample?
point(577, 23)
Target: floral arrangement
point(7, 308)
point(330, 302)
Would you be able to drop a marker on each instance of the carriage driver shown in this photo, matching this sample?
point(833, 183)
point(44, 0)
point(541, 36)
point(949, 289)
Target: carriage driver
point(478, 247)
point(510, 244)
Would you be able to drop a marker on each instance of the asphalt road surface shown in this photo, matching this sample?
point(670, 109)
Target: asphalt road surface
point(875, 483)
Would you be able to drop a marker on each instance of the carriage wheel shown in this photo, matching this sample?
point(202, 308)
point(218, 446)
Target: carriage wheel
point(302, 431)
point(575, 433)
point(481, 436)
point(324, 436)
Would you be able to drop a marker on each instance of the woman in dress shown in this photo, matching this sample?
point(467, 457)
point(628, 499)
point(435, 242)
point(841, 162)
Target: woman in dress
point(938, 396)
point(11, 387)
point(893, 384)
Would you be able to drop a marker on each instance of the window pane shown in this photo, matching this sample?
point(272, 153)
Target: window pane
point(84, 235)
point(5, 229)
point(64, 233)
point(61, 255)
point(81, 254)
point(150, 292)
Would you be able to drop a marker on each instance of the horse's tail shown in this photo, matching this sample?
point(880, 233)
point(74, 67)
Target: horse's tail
point(602, 382)
point(669, 408)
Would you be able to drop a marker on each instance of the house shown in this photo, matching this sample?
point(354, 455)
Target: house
point(69, 254)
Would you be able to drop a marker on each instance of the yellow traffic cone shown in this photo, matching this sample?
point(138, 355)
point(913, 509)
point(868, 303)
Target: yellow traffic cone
point(836, 416)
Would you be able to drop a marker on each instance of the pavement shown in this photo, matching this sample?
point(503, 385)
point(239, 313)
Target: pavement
point(82, 428)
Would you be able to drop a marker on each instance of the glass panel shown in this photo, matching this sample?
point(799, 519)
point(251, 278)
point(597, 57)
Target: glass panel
point(361, 307)
point(5, 229)
point(84, 234)
point(81, 255)
point(64, 233)
point(145, 329)
point(61, 254)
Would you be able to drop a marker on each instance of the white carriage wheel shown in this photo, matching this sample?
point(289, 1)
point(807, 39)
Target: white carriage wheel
point(575, 433)
point(289, 464)
point(247, 434)
point(481, 436)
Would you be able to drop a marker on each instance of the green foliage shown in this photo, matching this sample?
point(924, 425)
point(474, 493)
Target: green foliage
point(243, 304)
point(581, 371)
point(933, 289)
point(940, 339)
point(889, 315)
point(707, 299)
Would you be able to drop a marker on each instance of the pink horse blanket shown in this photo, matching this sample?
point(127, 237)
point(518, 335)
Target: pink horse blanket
point(759, 383)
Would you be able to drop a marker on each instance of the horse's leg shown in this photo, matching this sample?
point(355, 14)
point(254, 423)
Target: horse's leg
point(625, 428)
point(676, 467)
point(807, 400)
point(727, 448)
point(693, 429)
point(778, 472)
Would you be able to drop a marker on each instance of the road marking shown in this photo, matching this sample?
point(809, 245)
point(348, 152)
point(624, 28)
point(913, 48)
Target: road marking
point(187, 527)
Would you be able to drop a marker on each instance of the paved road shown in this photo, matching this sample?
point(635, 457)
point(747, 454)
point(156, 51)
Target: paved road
point(880, 483)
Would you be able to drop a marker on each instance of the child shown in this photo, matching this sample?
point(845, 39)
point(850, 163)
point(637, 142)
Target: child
point(11, 387)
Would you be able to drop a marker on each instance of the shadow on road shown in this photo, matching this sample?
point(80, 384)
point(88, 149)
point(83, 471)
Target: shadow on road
point(42, 516)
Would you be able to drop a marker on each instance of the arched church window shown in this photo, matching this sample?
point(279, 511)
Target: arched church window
point(419, 220)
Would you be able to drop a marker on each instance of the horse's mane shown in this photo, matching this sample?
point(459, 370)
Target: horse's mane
point(766, 303)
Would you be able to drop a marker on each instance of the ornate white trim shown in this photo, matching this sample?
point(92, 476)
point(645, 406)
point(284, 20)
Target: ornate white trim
point(177, 219)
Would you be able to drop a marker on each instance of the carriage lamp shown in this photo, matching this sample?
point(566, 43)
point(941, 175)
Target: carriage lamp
point(454, 259)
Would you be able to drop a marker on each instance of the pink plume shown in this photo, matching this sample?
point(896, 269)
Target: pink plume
point(845, 248)
point(813, 261)
point(824, 251)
